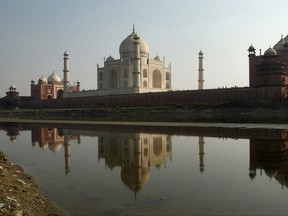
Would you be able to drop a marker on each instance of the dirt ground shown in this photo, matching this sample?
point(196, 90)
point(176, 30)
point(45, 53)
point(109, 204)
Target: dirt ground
point(19, 195)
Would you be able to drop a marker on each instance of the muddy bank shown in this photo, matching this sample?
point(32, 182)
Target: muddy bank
point(20, 196)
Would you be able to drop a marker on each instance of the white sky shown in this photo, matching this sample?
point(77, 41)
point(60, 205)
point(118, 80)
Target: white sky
point(34, 35)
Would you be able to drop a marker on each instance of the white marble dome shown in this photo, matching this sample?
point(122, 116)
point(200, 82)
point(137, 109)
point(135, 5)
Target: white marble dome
point(126, 48)
point(54, 78)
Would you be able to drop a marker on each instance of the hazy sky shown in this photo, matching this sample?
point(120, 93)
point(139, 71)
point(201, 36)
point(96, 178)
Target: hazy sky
point(35, 34)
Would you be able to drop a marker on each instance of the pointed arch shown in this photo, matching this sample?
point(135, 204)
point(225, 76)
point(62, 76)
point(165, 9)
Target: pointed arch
point(113, 79)
point(157, 79)
point(60, 94)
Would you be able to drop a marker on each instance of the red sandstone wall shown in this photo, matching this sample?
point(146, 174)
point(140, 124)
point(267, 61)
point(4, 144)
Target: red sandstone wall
point(213, 96)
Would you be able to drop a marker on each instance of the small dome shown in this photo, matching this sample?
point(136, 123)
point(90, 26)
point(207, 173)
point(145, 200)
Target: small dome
point(55, 148)
point(12, 88)
point(110, 58)
point(200, 53)
point(127, 47)
point(279, 46)
point(54, 78)
point(270, 52)
point(157, 58)
point(42, 79)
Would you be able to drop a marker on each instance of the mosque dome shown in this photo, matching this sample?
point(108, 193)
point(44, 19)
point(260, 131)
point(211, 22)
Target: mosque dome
point(270, 52)
point(55, 148)
point(42, 79)
point(280, 45)
point(54, 78)
point(126, 48)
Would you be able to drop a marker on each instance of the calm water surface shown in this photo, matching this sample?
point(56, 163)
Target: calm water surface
point(118, 170)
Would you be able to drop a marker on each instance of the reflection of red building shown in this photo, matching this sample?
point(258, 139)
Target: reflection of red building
point(270, 156)
point(51, 137)
point(51, 88)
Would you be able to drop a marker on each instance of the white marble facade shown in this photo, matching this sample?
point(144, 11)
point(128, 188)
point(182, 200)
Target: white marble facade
point(118, 73)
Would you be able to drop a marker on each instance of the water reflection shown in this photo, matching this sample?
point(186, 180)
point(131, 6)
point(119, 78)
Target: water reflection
point(136, 150)
point(270, 155)
point(54, 139)
point(135, 153)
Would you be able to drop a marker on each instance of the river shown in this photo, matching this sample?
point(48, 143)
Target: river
point(132, 169)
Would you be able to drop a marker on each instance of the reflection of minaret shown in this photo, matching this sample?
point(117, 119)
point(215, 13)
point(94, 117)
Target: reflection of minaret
point(252, 156)
point(67, 154)
point(200, 75)
point(138, 164)
point(201, 153)
point(136, 69)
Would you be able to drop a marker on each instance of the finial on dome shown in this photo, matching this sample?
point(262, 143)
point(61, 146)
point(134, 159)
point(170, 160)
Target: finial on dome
point(282, 36)
point(133, 28)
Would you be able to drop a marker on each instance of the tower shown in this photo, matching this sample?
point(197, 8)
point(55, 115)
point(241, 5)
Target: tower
point(66, 72)
point(136, 66)
point(200, 70)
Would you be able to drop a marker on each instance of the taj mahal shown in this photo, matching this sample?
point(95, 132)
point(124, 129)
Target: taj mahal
point(133, 72)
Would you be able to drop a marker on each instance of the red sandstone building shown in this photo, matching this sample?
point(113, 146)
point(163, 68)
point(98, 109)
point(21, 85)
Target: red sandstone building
point(270, 69)
point(51, 88)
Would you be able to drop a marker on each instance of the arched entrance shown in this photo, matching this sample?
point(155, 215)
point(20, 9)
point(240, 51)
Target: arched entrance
point(60, 94)
point(112, 79)
point(157, 79)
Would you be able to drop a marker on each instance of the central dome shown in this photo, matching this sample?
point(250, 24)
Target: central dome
point(126, 48)
point(54, 78)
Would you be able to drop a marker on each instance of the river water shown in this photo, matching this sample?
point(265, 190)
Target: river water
point(154, 170)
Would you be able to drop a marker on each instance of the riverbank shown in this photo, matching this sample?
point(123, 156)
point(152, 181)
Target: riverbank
point(224, 113)
point(19, 195)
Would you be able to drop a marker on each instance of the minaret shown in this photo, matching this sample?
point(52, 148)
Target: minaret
point(66, 72)
point(201, 153)
point(200, 76)
point(136, 67)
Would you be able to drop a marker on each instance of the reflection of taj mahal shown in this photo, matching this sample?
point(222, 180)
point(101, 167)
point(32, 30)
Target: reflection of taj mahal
point(135, 155)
